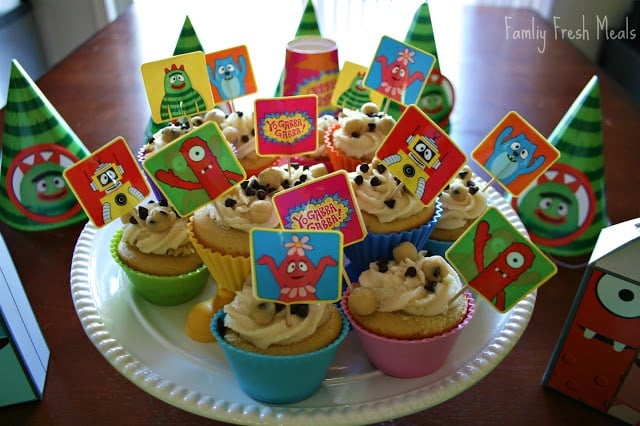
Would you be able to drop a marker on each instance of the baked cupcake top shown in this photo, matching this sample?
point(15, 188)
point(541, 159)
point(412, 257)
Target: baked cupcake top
point(264, 323)
point(461, 201)
point(377, 192)
point(411, 282)
point(155, 228)
point(249, 204)
point(362, 131)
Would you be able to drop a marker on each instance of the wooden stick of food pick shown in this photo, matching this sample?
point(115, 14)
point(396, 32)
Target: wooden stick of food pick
point(455, 296)
point(346, 278)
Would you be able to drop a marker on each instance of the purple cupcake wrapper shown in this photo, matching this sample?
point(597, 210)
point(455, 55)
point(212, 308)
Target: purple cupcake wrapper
point(154, 188)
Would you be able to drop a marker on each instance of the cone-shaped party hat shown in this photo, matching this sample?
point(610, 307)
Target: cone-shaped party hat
point(308, 27)
point(564, 211)
point(37, 145)
point(420, 33)
point(188, 42)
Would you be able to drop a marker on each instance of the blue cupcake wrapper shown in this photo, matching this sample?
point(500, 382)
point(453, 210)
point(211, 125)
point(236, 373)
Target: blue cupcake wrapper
point(278, 379)
point(375, 245)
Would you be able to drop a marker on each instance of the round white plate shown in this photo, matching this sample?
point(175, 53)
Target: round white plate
point(147, 344)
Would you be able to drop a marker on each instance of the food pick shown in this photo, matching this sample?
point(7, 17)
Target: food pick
point(350, 91)
point(504, 266)
point(108, 184)
point(231, 74)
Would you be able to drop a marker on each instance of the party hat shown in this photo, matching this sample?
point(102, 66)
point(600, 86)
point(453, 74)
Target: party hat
point(37, 145)
point(188, 42)
point(564, 210)
point(308, 27)
point(420, 33)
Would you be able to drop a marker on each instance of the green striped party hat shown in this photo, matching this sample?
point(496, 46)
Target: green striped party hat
point(420, 33)
point(188, 40)
point(564, 211)
point(37, 145)
point(308, 27)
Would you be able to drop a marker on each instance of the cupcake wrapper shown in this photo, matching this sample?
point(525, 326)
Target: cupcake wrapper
point(278, 379)
point(376, 245)
point(229, 272)
point(339, 161)
point(408, 358)
point(162, 290)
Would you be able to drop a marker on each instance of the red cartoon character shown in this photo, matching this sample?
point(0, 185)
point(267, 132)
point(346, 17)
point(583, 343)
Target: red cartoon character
point(205, 167)
point(395, 75)
point(511, 263)
point(296, 275)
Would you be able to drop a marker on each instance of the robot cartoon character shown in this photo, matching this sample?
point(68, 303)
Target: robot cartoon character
point(203, 163)
point(511, 263)
point(395, 74)
point(600, 342)
point(180, 98)
point(296, 275)
point(119, 196)
point(228, 76)
point(513, 156)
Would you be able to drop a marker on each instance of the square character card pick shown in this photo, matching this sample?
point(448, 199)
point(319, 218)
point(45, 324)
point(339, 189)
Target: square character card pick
point(287, 125)
point(514, 153)
point(497, 261)
point(399, 71)
point(350, 91)
point(177, 86)
point(324, 203)
point(196, 168)
point(230, 73)
point(296, 266)
point(108, 184)
point(420, 154)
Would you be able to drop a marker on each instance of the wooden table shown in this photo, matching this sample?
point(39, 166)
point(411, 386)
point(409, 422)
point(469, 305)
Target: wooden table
point(99, 92)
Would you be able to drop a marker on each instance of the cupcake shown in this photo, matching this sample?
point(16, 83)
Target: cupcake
point(239, 130)
point(391, 214)
point(357, 136)
point(220, 230)
point(404, 312)
point(158, 258)
point(278, 358)
point(462, 203)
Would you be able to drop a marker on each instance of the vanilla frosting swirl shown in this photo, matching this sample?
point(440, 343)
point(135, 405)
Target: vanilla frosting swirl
point(397, 290)
point(277, 331)
point(461, 202)
point(362, 131)
point(249, 204)
point(146, 234)
point(377, 192)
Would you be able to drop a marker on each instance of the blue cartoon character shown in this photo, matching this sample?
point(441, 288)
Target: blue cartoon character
point(228, 76)
point(296, 275)
point(513, 157)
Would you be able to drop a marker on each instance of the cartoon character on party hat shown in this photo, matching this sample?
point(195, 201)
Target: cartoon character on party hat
point(565, 210)
point(188, 42)
point(437, 97)
point(308, 27)
point(37, 145)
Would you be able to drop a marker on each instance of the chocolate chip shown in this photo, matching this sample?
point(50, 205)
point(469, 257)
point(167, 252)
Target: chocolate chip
point(143, 212)
point(381, 168)
point(163, 202)
point(261, 194)
point(446, 188)
point(279, 306)
point(371, 126)
point(411, 272)
point(300, 309)
point(286, 183)
point(383, 264)
point(375, 181)
point(390, 203)
point(244, 138)
point(355, 134)
point(240, 113)
point(244, 184)
point(230, 202)
point(359, 180)
point(303, 178)
point(436, 271)
point(431, 286)
point(253, 132)
point(133, 221)
point(463, 174)
point(473, 188)
point(364, 168)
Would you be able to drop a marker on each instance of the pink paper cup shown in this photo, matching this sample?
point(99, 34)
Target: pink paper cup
point(408, 358)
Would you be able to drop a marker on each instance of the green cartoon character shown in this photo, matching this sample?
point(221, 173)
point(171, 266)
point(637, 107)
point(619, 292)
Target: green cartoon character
point(180, 98)
point(436, 99)
point(559, 207)
point(355, 95)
